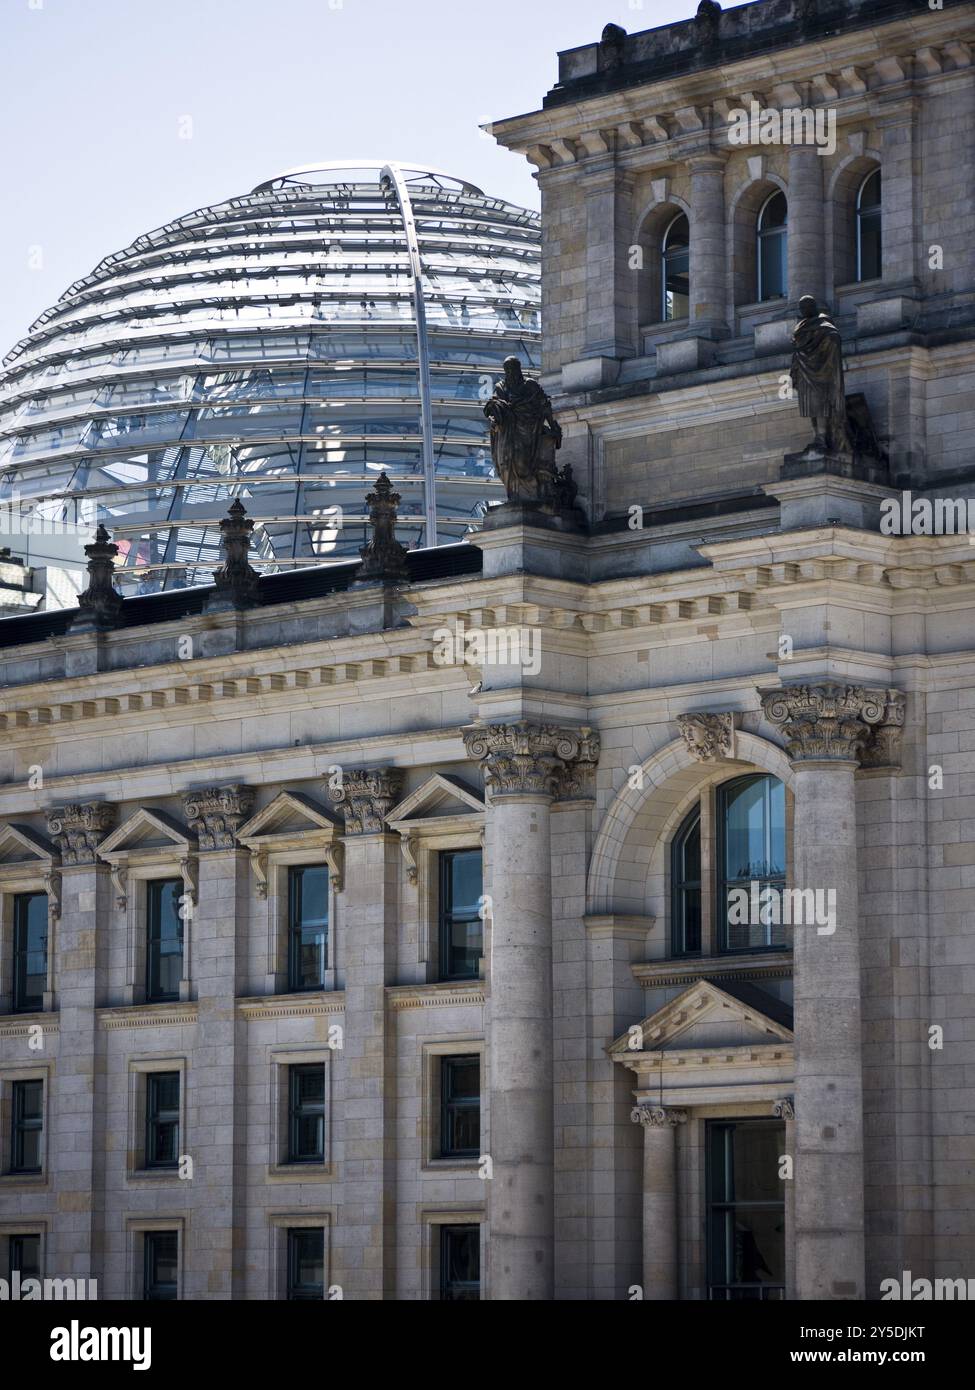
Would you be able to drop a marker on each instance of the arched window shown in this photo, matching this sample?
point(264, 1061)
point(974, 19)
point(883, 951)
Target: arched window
point(751, 860)
point(869, 241)
point(685, 885)
point(771, 248)
point(675, 270)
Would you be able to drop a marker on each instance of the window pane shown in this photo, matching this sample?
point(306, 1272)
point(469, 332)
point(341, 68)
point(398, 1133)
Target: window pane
point(461, 928)
point(772, 265)
point(307, 1114)
point(164, 946)
point(308, 927)
point(460, 1264)
point(30, 950)
point(161, 1249)
point(460, 1123)
point(25, 1255)
point(753, 862)
point(676, 270)
point(746, 1210)
point(306, 1264)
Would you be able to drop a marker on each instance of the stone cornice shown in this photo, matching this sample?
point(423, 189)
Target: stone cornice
point(758, 965)
point(848, 70)
point(20, 1025)
point(146, 1016)
point(261, 1006)
point(435, 996)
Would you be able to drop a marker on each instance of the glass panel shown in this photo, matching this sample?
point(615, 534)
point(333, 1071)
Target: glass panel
point(753, 860)
point(161, 1265)
point(460, 1264)
point(25, 1255)
point(461, 1109)
point(308, 927)
point(461, 927)
point(869, 236)
point(30, 950)
point(746, 1210)
point(28, 1119)
point(676, 270)
point(307, 1114)
point(162, 1109)
point(306, 1264)
point(164, 947)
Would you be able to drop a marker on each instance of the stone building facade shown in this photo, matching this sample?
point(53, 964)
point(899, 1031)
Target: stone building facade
point(523, 1044)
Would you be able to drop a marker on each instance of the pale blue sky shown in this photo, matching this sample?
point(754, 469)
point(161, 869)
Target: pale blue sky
point(93, 93)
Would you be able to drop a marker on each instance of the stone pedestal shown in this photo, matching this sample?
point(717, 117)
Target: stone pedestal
point(525, 766)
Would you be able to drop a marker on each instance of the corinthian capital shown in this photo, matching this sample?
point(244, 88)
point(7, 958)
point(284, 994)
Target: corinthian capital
point(657, 1116)
point(77, 830)
point(366, 796)
point(216, 813)
point(524, 759)
point(837, 723)
point(708, 737)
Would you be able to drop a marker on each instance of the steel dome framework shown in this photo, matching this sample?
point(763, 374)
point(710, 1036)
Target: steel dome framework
point(282, 347)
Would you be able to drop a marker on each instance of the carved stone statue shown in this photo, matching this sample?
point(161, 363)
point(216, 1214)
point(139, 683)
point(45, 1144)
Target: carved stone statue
point(524, 436)
point(817, 375)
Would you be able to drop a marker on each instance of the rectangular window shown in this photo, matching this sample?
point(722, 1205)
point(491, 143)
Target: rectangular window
point(162, 1119)
point(461, 925)
point(30, 951)
point(25, 1255)
point(460, 1106)
point(307, 927)
point(306, 1114)
point(160, 1266)
point(28, 1123)
point(745, 1210)
point(164, 940)
point(306, 1264)
point(460, 1264)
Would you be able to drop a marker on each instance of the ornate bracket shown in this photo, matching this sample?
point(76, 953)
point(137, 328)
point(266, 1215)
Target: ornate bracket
point(408, 845)
point(119, 874)
point(335, 859)
point(52, 887)
point(709, 738)
point(785, 1109)
point(259, 867)
point(189, 871)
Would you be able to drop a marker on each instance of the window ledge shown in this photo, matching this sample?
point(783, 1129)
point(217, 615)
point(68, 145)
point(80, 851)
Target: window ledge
point(299, 1172)
point(23, 1182)
point(445, 1167)
point(774, 965)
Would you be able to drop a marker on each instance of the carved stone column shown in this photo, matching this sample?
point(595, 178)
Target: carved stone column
point(611, 286)
point(78, 1099)
point(708, 272)
point(525, 766)
point(807, 228)
point(660, 1281)
point(213, 941)
point(364, 1260)
point(830, 730)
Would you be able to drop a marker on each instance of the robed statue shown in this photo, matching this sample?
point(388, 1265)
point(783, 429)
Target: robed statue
point(817, 375)
point(524, 437)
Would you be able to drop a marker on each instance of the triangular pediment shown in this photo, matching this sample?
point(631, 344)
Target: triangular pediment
point(20, 846)
point(439, 798)
point(290, 813)
point(707, 1016)
point(145, 830)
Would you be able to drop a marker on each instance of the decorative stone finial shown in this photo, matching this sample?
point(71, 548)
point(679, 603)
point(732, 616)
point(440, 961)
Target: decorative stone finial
point(99, 605)
point(366, 796)
point(383, 557)
point(236, 579)
point(216, 813)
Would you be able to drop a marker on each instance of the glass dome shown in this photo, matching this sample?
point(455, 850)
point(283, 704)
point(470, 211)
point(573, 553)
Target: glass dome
point(283, 347)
